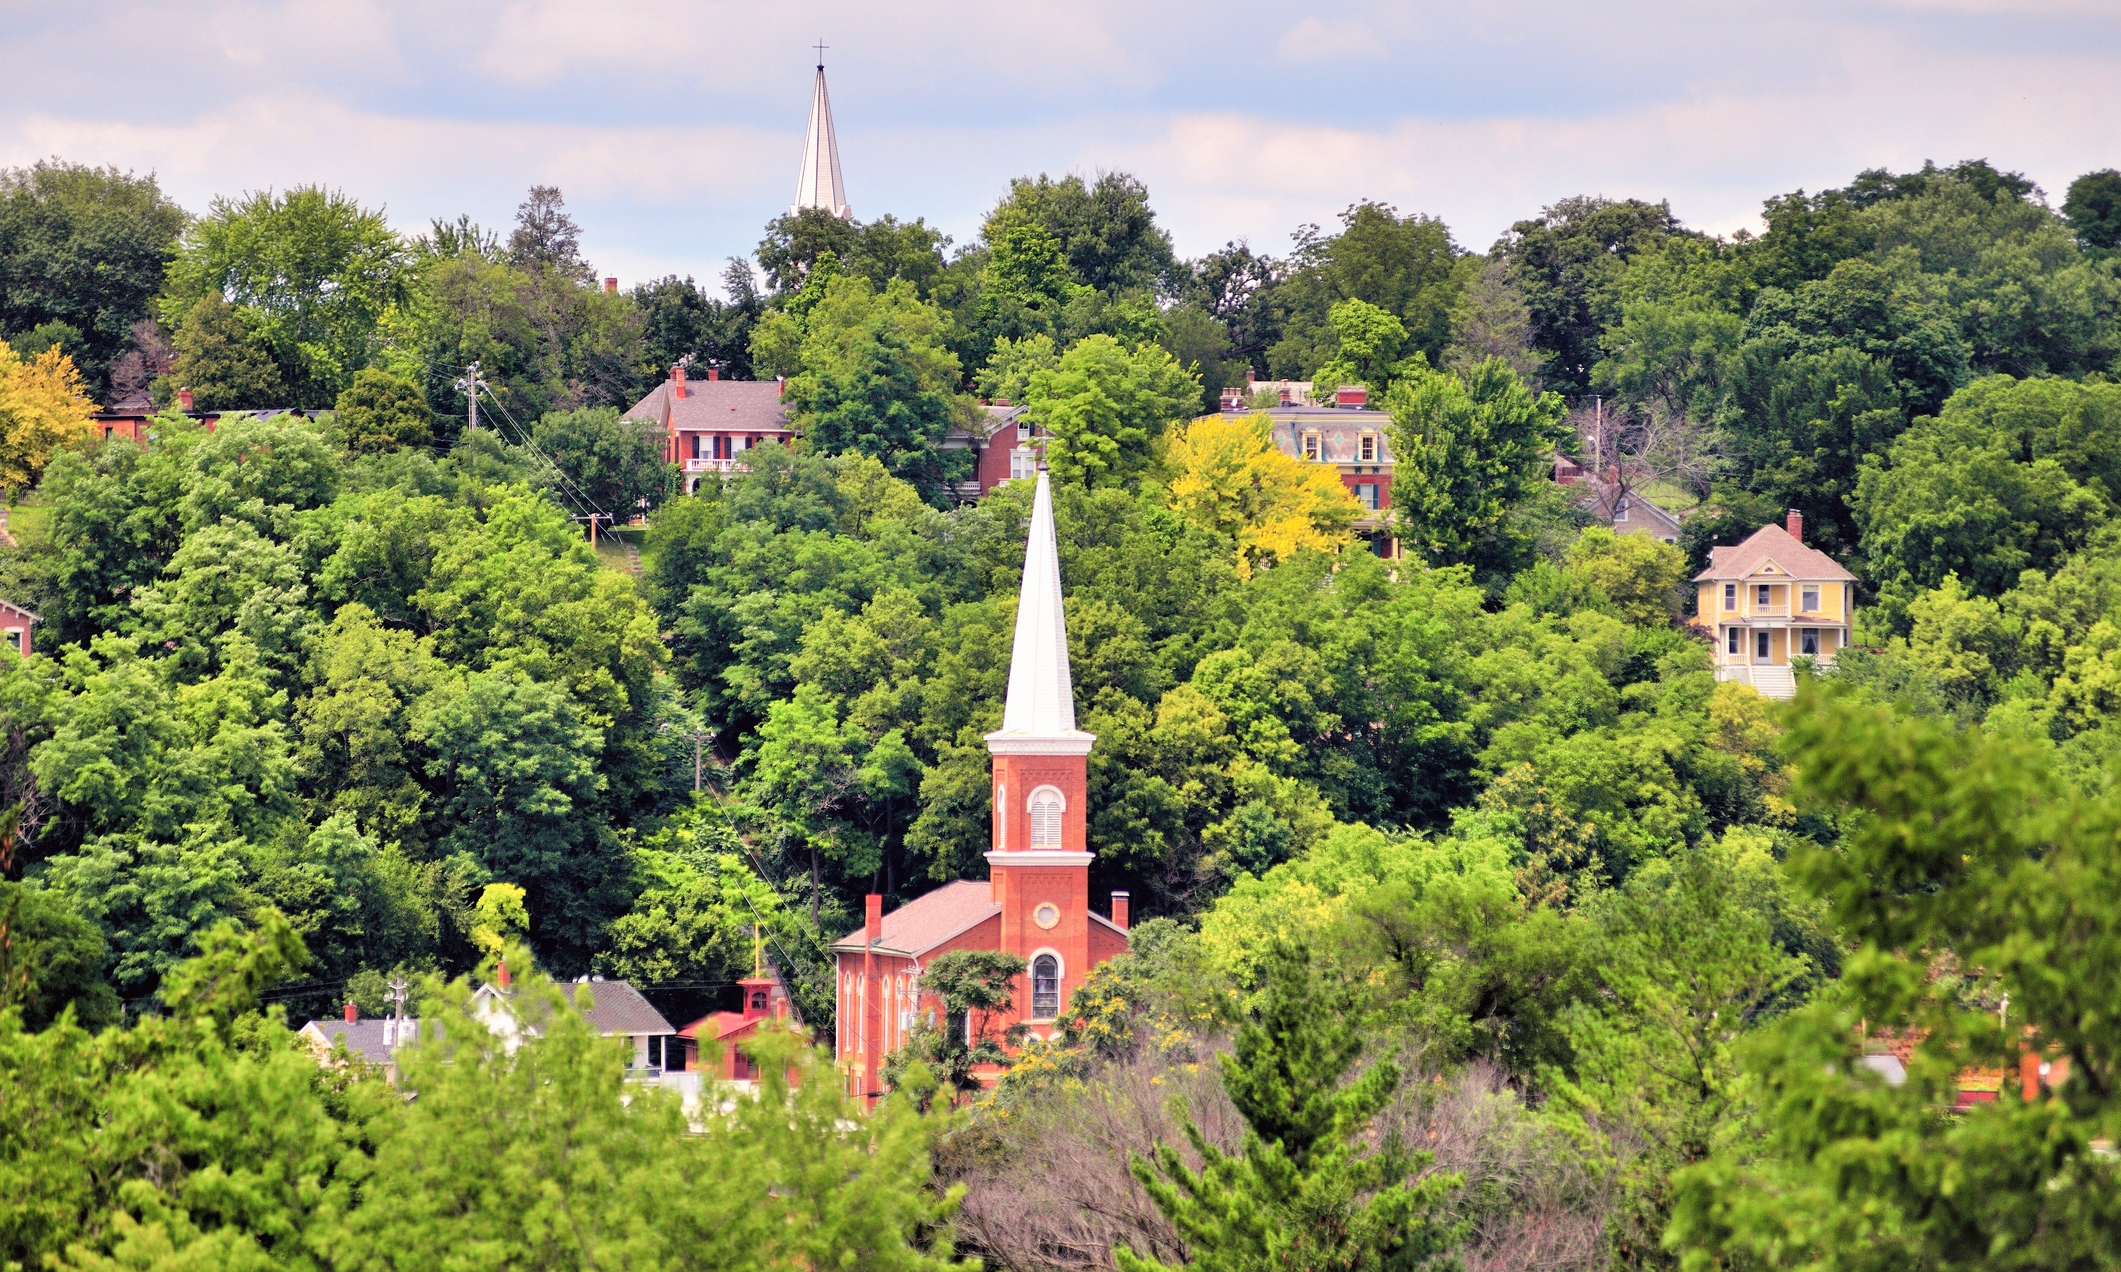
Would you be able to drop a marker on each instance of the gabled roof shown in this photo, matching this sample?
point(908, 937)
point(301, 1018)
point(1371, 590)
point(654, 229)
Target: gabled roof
point(373, 1038)
point(25, 611)
point(752, 406)
point(930, 919)
point(617, 1008)
point(1772, 543)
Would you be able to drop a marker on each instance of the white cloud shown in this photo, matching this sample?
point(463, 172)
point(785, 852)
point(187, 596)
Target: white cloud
point(1317, 39)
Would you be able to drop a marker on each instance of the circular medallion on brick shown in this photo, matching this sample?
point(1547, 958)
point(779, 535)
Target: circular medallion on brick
point(1046, 915)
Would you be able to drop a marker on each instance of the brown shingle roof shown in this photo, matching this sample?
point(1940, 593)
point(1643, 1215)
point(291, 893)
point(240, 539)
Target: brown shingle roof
point(1772, 543)
point(928, 920)
point(751, 406)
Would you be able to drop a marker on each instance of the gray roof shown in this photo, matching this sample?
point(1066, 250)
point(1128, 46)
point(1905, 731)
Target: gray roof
point(736, 406)
point(616, 1007)
point(1339, 428)
point(364, 1038)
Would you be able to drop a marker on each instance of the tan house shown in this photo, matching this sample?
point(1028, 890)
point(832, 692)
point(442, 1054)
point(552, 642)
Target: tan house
point(1771, 600)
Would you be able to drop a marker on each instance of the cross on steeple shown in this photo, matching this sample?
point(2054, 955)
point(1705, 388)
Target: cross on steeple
point(821, 46)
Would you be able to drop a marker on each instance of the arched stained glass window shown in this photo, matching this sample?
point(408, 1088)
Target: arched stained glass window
point(1045, 987)
point(1047, 804)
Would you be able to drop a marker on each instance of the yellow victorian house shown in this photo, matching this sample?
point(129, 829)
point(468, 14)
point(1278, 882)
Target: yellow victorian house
point(1771, 600)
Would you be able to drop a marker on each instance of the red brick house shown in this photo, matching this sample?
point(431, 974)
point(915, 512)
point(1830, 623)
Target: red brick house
point(710, 423)
point(16, 623)
point(1035, 902)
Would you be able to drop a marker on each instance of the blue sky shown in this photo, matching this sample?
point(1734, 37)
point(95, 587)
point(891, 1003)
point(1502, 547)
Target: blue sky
point(675, 126)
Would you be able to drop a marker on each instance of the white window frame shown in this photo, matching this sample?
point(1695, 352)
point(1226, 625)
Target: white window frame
point(1808, 599)
point(1033, 808)
point(1730, 598)
point(1731, 644)
point(1023, 464)
point(1808, 642)
point(1764, 595)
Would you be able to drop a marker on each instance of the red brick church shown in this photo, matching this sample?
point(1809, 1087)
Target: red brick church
point(1035, 903)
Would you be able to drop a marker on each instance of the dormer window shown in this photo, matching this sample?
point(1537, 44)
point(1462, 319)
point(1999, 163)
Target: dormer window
point(1314, 447)
point(1366, 449)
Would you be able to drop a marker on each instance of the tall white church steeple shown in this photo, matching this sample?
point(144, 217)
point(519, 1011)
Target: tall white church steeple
point(1041, 702)
point(819, 184)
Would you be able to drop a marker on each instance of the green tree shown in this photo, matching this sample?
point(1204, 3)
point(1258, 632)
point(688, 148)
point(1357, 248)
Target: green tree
point(1568, 261)
point(1467, 449)
point(1306, 1190)
point(1367, 342)
point(615, 464)
point(219, 360)
point(1407, 266)
point(1639, 574)
point(83, 247)
point(51, 959)
point(1104, 227)
point(973, 985)
point(878, 380)
point(311, 271)
point(381, 412)
point(2093, 207)
point(1104, 405)
point(1965, 871)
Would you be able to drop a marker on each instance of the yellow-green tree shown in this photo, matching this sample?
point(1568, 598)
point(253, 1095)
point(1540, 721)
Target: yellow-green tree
point(1230, 477)
point(1639, 574)
point(43, 408)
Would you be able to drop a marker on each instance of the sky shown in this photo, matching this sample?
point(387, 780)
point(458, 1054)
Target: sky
point(675, 127)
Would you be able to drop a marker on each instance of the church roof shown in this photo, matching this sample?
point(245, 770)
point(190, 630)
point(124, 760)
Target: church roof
point(1772, 543)
point(819, 184)
point(1041, 702)
point(930, 919)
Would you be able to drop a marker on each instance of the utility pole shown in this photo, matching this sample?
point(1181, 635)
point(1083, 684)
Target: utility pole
point(699, 739)
point(399, 987)
point(469, 386)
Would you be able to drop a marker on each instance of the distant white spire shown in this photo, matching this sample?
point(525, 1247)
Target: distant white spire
point(1041, 702)
point(819, 184)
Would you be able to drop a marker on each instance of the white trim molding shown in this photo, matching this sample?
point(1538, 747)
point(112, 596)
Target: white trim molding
point(1025, 744)
point(1038, 858)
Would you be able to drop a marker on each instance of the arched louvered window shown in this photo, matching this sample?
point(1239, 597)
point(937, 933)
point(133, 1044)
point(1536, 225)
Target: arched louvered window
point(1045, 987)
point(1047, 804)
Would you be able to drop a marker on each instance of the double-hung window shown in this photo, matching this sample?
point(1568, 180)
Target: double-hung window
point(1730, 598)
point(1809, 596)
point(1760, 597)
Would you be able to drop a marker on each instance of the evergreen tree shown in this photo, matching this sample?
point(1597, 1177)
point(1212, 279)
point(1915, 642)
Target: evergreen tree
point(219, 361)
point(381, 412)
point(1306, 1192)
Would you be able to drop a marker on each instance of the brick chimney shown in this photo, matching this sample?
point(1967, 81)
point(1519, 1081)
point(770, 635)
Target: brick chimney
point(873, 919)
point(713, 374)
point(1354, 395)
point(500, 974)
point(1794, 522)
point(677, 381)
point(611, 287)
point(1119, 910)
point(184, 399)
point(353, 1013)
point(782, 380)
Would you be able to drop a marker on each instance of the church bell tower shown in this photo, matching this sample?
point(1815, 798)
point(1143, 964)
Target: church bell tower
point(1040, 865)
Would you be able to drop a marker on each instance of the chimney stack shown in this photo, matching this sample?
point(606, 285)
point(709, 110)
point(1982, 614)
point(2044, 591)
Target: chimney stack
point(1795, 524)
point(713, 374)
point(500, 974)
point(782, 381)
point(1354, 395)
point(611, 287)
point(1119, 910)
point(353, 1013)
point(184, 399)
point(873, 923)
point(677, 381)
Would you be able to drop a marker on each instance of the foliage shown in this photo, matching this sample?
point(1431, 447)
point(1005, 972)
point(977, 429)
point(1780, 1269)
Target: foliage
point(1961, 853)
point(1104, 405)
point(614, 465)
point(84, 248)
point(974, 986)
point(1229, 477)
point(1639, 574)
point(43, 409)
point(381, 412)
point(310, 272)
point(221, 362)
point(1466, 449)
point(1305, 1191)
